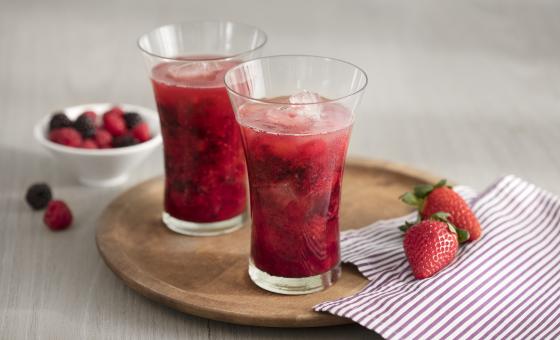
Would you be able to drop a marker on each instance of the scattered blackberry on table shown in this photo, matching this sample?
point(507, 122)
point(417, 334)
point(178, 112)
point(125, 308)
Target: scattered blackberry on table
point(122, 141)
point(59, 120)
point(85, 126)
point(132, 119)
point(38, 196)
point(57, 216)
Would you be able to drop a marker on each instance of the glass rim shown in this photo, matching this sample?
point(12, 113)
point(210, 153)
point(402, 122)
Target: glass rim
point(225, 58)
point(311, 56)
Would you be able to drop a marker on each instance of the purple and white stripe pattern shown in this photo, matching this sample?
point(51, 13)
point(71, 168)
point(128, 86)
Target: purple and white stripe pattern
point(506, 285)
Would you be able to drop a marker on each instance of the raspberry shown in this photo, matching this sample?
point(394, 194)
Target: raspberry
point(114, 123)
point(91, 115)
point(57, 216)
point(38, 196)
point(85, 126)
point(59, 120)
point(89, 144)
point(103, 139)
point(115, 110)
point(122, 141)
point(141, 132)
point(132, 119)
point(66, 136)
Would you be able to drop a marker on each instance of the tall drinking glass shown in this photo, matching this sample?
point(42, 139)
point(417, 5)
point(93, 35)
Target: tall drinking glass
point(205, 172)
point(295, 113)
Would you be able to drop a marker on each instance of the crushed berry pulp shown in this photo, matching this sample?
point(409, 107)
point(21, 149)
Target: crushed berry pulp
point(295, 164)
point(205, 172)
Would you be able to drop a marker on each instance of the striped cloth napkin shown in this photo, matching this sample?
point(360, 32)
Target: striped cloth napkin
point(506, 285)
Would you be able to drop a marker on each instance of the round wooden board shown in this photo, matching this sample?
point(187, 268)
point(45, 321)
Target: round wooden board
point(207, 276)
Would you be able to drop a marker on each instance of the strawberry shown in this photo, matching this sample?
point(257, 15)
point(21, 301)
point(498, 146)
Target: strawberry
point(431, 244)
point(430, 199)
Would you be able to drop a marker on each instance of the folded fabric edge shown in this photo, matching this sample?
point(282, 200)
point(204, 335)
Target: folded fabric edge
point(326, 306)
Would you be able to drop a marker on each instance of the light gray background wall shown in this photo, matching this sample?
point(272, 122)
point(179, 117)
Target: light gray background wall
point(468, 90)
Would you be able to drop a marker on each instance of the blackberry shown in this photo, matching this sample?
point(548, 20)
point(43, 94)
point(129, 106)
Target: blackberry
point(38, 196)
point(132, 119)
point(85, 126)
point(59, 120)
point(122, 141)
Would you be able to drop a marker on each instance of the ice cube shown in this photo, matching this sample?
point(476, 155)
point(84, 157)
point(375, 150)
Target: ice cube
point(288, 116)
point(193, 70)
point(305, 97)
point(312, 110)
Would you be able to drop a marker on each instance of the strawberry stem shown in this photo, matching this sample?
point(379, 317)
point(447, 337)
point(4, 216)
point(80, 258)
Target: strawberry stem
point(462, 234)
point(419, 194)
point(411, 199)
point(441, 183)
point(422, 190)
point(440, 216)
point(406, 226)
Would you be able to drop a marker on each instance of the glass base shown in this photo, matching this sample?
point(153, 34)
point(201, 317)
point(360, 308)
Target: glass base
point(203, 229)
point(293, 286)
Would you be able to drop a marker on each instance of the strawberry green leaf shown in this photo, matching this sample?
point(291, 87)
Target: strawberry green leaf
point(451, 228)
point(441, 183)
point(407, 225)
point(422, 190)
point(463, 235)
point(410, 199)
point(440, 216)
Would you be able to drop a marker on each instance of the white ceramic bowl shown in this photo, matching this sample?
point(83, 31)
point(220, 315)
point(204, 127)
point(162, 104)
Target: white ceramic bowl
point(100, 167)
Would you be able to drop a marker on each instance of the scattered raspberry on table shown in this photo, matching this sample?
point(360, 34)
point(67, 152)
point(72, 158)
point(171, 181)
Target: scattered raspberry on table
point(57, 216)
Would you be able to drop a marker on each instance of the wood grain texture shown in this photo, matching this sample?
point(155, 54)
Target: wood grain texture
point(207, 276)
point(465, 89)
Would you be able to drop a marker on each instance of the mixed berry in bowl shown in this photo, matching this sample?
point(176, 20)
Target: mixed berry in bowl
point(114, 128)
point(99, 143)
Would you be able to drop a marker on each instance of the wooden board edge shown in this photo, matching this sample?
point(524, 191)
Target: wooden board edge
point(324, 320)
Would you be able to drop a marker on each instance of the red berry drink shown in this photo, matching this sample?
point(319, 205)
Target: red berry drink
point(295, 157)
point(204, 163)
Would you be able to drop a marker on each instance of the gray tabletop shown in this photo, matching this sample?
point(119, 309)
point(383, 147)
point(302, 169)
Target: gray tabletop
point(467, 90)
